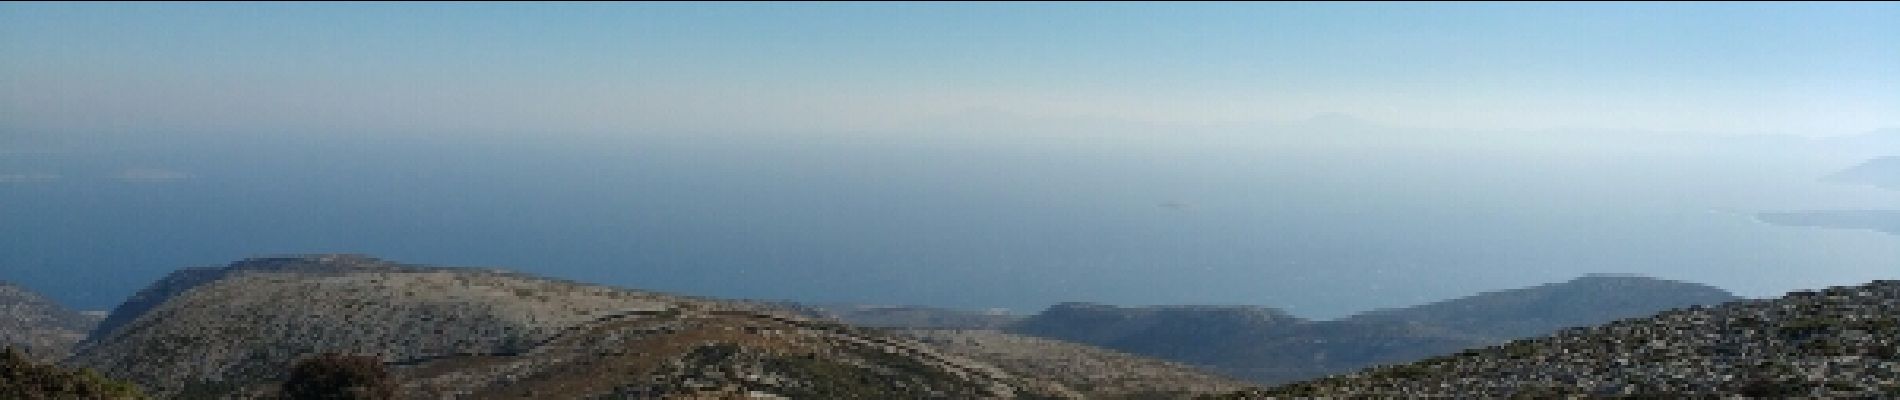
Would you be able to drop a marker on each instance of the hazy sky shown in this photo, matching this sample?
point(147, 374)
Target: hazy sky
point(1811, 69)
point(967, 155)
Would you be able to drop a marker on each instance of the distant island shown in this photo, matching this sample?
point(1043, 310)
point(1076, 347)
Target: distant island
point(1887, 221)
point(1882, 172)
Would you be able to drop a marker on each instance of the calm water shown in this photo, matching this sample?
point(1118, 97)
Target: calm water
point(972, 221)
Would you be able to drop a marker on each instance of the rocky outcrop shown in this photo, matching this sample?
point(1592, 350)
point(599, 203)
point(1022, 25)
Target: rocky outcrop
point(40, 328)
point(1838, 342)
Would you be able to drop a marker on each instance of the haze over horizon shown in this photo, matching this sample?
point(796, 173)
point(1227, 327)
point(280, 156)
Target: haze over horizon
point(1326, 158)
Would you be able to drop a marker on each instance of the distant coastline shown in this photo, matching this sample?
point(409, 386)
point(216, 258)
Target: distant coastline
point(1884, 221)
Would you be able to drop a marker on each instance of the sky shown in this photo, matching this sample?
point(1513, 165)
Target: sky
point(1327, 158)
point(1725, 68)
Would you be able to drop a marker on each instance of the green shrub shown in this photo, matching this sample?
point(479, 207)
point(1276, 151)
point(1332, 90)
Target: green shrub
point(338, 376)
point(21, 378)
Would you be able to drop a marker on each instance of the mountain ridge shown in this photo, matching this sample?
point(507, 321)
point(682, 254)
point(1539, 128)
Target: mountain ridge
point(1269, 346)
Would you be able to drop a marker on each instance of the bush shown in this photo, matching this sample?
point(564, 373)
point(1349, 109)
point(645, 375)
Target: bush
point(338, 376)
point(21, 378)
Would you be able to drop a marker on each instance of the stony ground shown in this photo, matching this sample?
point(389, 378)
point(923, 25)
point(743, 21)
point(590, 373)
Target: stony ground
point(1838, 342)
point(1094, 372)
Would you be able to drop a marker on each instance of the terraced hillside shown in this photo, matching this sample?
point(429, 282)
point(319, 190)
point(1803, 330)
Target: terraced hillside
point(1838, 342)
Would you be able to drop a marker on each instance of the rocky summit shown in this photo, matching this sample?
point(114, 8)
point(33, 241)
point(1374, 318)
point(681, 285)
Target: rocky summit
point(1837, 342)
point(38, 327)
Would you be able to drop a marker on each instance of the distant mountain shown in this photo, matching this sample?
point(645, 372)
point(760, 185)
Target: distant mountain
point(1540, 310)
point(1883, 172)
point(908, 316)
point(1269, 346)
point(1887, 221)
point(1839, 342)
point(40, 328)
point(452, 332)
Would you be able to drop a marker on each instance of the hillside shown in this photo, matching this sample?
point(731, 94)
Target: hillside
point(1838, 342)
point(1269, 346)
point(39, 327)
point(473, 333)
point(685, 351)
point(1882, 172)
point(1540, 310)
point(908, 316)
point(25, 379)
point(1099, 373)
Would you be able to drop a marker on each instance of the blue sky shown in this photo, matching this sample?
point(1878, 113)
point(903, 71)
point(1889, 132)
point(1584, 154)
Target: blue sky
point(1811, 69)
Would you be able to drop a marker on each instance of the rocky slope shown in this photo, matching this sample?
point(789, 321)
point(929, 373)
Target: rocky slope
point(1095, 372)
point(1269, 346)
point(41, 329)
point(1838, 342)
point(466, 333)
